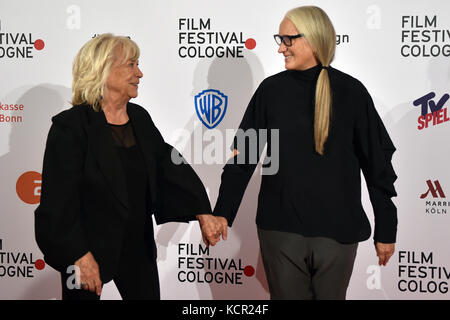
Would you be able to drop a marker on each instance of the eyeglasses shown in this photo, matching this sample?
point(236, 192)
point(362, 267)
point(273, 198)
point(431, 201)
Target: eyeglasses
point(287, 40)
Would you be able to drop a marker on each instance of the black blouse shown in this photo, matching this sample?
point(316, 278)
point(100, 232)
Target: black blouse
point(310, 194)
point(136, 178)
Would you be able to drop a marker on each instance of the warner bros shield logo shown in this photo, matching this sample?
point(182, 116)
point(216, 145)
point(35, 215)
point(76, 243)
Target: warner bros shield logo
point(211, 106)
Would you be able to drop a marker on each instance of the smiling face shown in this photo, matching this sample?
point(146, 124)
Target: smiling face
point(299, 56)
point(123, 79)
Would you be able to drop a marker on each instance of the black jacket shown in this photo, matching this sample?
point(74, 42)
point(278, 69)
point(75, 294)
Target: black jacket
point(310, 194)
point(84, 201)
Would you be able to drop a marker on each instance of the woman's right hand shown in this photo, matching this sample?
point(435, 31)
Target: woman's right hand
point(209, 229)
point(89, 273)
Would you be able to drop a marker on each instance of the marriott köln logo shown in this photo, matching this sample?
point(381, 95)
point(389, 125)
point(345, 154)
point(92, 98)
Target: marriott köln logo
point(18, 45)
point(434, 197)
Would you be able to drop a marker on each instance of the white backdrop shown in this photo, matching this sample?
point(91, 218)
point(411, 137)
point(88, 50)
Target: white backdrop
point(399, 50)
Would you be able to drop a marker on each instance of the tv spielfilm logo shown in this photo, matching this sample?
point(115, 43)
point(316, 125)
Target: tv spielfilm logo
point(438, 111)
point(211, 106)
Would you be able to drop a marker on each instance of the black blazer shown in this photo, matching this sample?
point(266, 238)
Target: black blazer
point(84, 201)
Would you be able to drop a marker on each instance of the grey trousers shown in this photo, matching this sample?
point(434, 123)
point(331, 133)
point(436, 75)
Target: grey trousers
point(306, 268)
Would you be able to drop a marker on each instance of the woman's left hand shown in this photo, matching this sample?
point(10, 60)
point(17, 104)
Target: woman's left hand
point(384, 252)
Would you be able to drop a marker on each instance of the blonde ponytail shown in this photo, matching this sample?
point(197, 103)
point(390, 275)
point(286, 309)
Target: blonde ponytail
point(318, 30)
point(322, 111)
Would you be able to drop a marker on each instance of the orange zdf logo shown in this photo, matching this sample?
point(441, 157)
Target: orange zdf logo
point(28, 187)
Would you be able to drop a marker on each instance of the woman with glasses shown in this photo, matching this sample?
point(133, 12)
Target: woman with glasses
point(310, 218)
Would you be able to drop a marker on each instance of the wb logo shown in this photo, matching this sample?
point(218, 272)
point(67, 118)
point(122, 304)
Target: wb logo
point(211, 106)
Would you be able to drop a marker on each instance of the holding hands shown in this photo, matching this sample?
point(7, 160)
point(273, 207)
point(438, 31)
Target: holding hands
point(212, 227)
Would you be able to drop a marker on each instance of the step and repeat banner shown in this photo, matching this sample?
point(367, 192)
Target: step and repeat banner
point(400, 51)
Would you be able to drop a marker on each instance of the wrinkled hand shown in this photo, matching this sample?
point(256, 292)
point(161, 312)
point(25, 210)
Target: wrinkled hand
point(222, 224)
point(209, 228)
point(384, 252)
point(89, 273)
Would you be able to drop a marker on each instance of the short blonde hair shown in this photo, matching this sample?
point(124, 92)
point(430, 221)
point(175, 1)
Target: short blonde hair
point(318, 30)
point(92, 65)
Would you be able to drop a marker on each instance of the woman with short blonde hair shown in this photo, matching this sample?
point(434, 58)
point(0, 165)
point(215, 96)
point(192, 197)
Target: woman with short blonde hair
point(106, 170)
point(92, 65)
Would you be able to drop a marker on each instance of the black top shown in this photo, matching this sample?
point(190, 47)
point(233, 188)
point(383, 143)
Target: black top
point(135, 172)
point(133, 164)
point(316, 195)
point(123, 134)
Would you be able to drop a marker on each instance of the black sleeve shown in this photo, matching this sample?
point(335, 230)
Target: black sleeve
point(374, 149)
point(239, 169)
point(182, 195)
point(58, 229)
